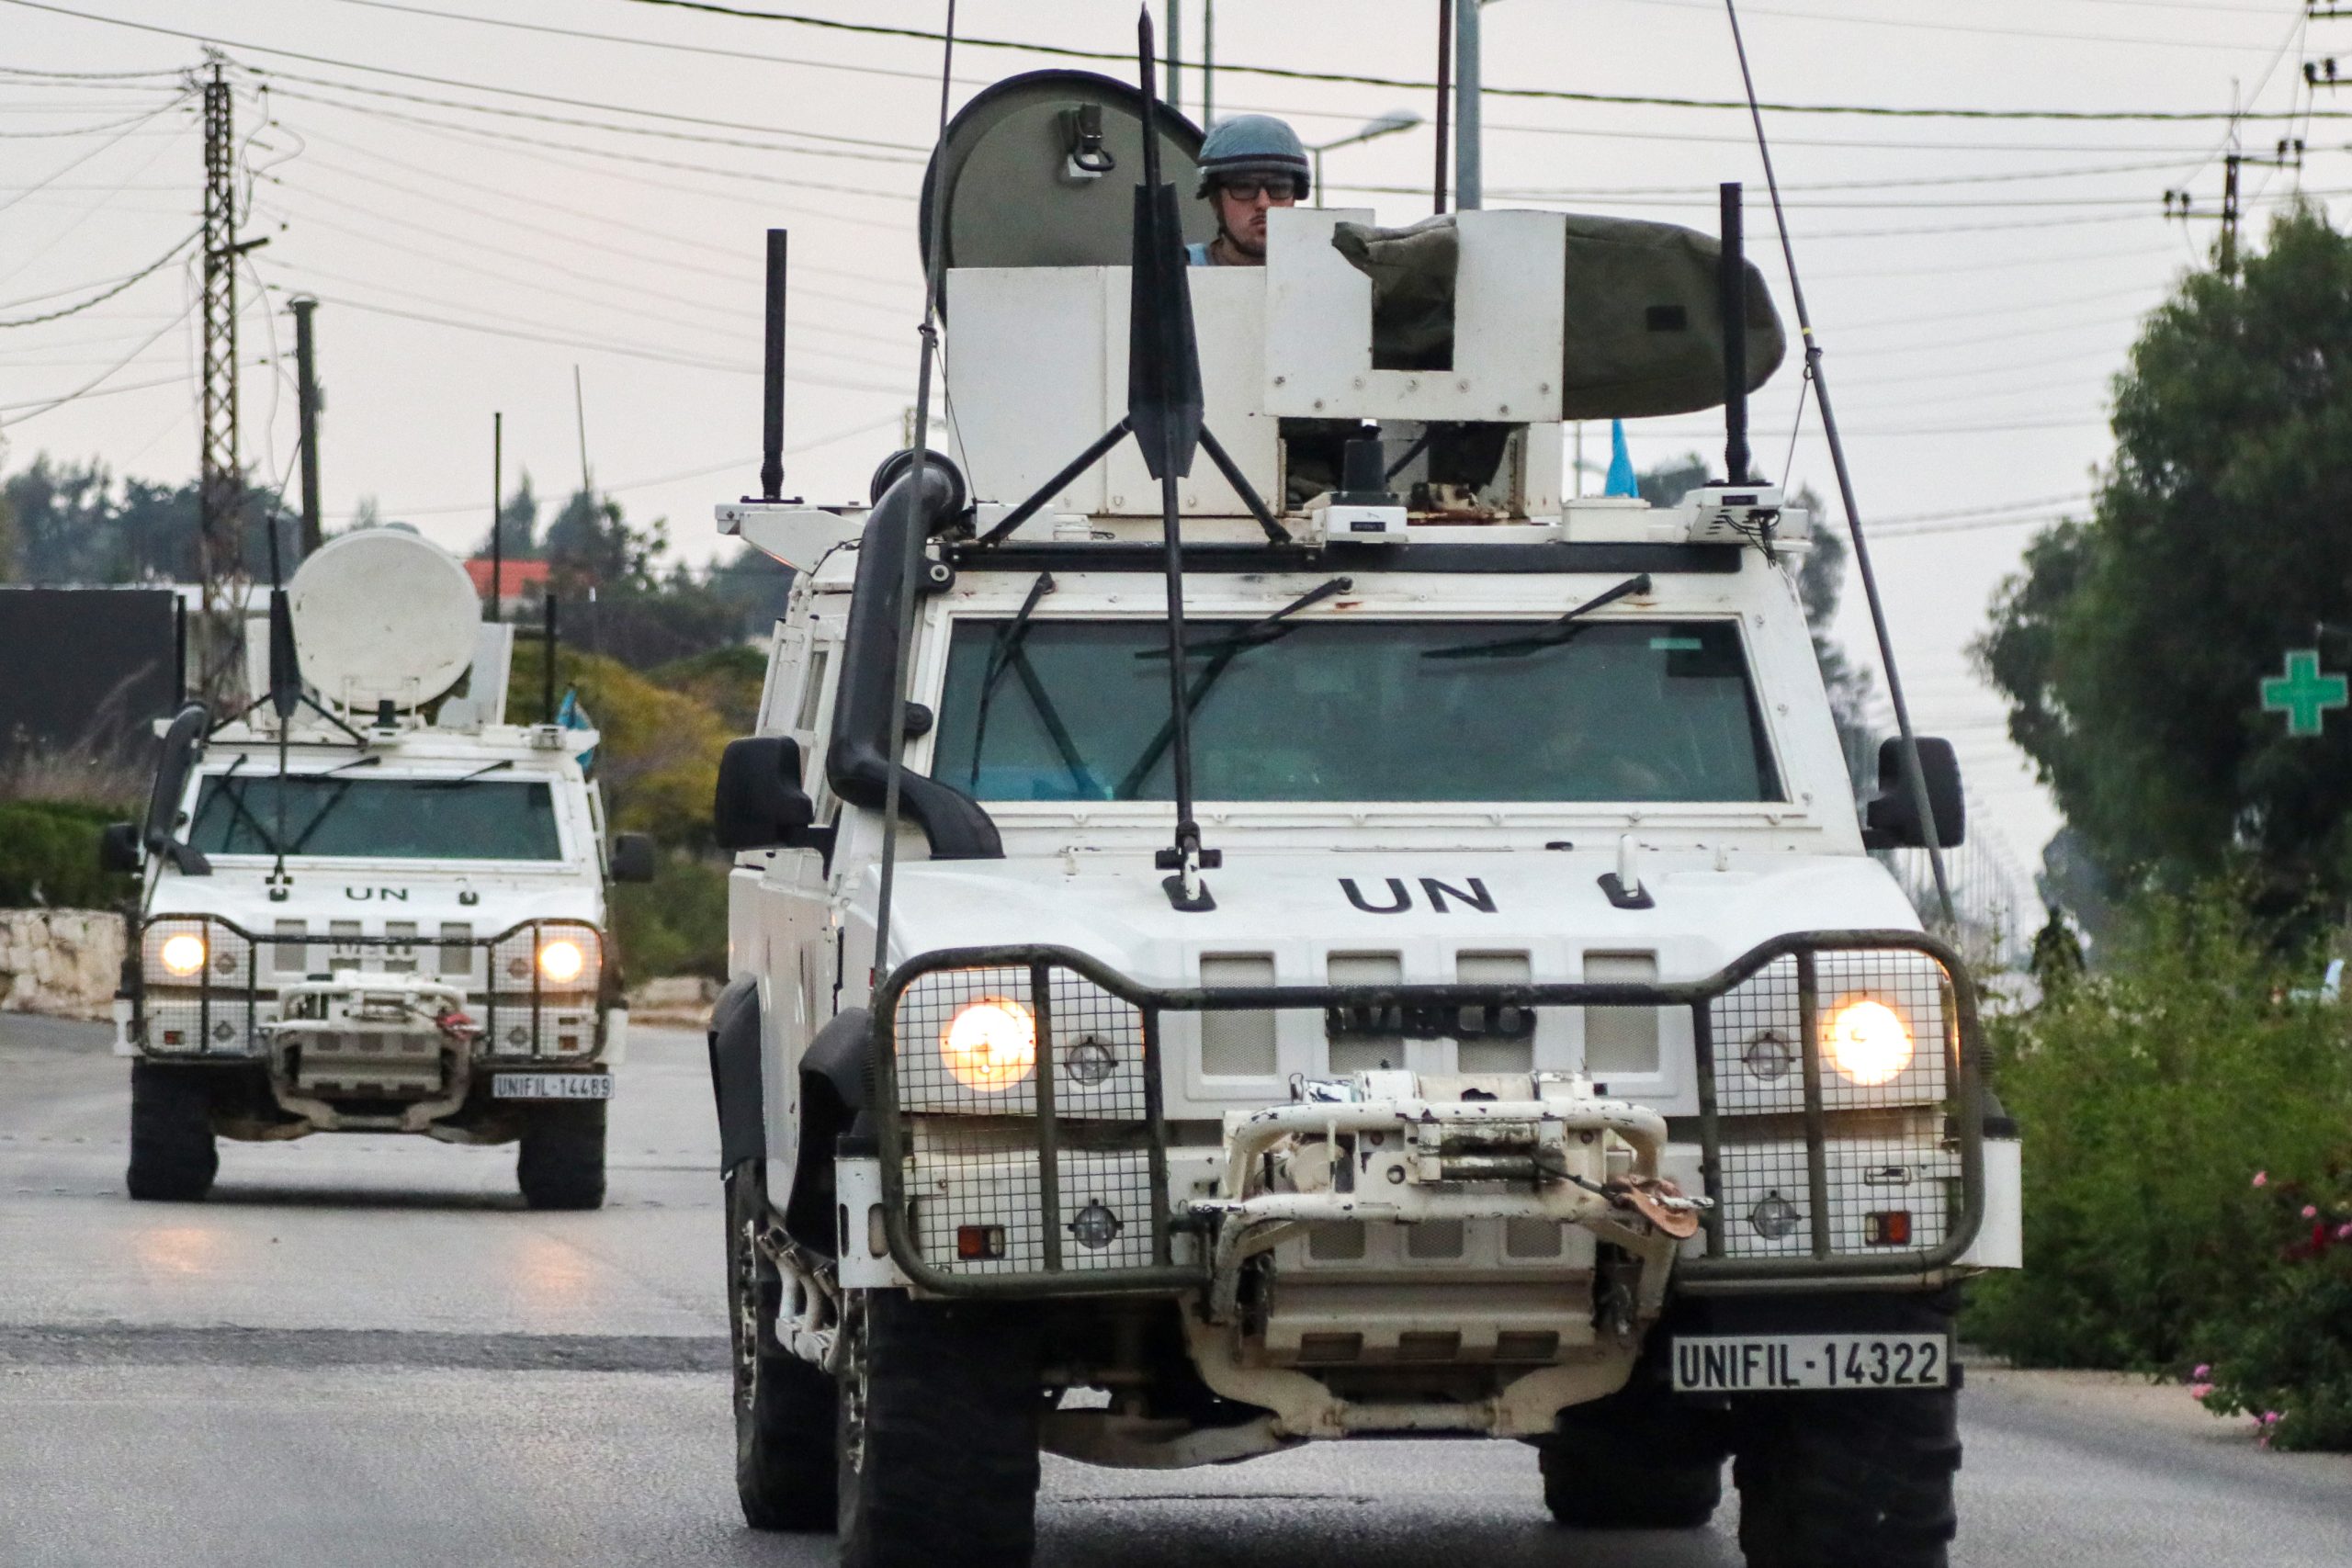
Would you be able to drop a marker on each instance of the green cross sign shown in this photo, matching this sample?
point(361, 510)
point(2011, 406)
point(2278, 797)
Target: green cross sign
point(2304, 694)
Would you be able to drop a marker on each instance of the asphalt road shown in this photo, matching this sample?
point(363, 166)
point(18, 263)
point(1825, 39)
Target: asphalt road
point(365, 1351)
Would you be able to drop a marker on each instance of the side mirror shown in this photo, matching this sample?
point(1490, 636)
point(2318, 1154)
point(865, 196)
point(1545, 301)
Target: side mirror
point(182, 745)
point(119, 848)
point(761, 804)
point(633, 858)
point(1890, 821)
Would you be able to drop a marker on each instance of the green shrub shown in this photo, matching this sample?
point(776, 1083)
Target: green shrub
point(2285, 1356)
point(676, 924)
point(2149, 1093)
point(49, 855)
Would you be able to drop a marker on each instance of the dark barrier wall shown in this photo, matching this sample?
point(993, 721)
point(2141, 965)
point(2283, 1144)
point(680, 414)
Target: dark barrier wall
point(84, 667)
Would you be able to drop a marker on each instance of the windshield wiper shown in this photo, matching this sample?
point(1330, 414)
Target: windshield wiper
point(1005, 655)
point(1221, 653)
point(1550, 635)
point(233, 792)
point(327, 806)
point(498, 766)
point(1268, 628)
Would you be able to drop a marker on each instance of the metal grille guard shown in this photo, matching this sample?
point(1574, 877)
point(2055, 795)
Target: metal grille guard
point(1815, 1105)
point(237, 998)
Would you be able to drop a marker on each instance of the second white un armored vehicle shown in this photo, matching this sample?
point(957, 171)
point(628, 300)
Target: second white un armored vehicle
point(1514, 1038)
point(369, 902)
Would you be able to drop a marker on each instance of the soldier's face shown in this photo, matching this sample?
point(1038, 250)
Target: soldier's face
point(1241, 208)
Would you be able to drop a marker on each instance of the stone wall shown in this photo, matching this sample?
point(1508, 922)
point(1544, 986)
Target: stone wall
point(62, 961)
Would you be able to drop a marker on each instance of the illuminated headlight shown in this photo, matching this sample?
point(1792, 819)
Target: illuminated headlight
point(183, 954)
point(990, 1044)
point(1867, 1041)
point(561, 961)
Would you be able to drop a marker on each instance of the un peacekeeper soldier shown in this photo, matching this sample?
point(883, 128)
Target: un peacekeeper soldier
point(1249, 163)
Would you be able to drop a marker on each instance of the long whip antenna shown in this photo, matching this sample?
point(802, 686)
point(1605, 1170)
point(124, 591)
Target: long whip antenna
point(1915, 778)
point(909, 597)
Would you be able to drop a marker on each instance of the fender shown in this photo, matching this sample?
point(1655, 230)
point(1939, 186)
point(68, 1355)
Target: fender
point(836, 1091)
point(735, 1073)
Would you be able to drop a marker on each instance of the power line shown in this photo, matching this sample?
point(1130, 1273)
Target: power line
point(596, 345)
point(2001, 32)
point(613, 154)
point(542, 118)
point(134, 121)
point(744, 278)
point(1413, 84)
point(214, 40)
point(148, 271)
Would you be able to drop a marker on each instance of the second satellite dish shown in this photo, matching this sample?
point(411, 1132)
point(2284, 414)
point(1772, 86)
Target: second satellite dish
point(383, 615)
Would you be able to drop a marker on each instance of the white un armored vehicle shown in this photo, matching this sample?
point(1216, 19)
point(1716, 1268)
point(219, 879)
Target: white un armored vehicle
point(1514, 1039)
point(369, 902)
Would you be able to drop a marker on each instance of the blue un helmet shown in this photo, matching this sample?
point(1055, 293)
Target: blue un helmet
point(1253, 145)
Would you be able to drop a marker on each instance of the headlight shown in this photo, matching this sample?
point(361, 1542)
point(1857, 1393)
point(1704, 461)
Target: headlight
point(1867, 1041)
point(990, 1044)
point(561, 961)
point(183, 953)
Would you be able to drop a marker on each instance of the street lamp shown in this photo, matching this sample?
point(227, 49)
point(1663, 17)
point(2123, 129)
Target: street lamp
point(1388, 124)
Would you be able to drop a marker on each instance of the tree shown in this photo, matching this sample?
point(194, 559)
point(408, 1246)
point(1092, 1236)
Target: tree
point(518, 522)
point(1821, 586)
point(2131, 646)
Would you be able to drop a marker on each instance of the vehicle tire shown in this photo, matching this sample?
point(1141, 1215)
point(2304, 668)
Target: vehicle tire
point(1861, 1480)
point(561, 1162)
point(939, 1406)
point(1633, 1461)
point(784, 1408)
point(172, 1158)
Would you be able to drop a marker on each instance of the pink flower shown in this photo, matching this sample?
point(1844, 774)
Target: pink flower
point(2344, 1232)
point(2310, 1210)
point(2262, 1178)
point(2204, 1370)
point(2199, 1390)
point(2271, 1417)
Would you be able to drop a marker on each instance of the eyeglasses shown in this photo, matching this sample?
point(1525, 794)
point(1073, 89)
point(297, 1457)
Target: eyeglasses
point(1250, 190)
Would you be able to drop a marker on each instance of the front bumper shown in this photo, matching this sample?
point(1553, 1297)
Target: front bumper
point(987, 1191)
point(253, 994)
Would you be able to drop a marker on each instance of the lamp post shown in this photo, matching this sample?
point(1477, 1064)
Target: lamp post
point(1388, 124)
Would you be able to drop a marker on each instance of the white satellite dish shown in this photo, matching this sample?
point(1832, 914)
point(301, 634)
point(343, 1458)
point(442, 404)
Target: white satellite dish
point(383, 615)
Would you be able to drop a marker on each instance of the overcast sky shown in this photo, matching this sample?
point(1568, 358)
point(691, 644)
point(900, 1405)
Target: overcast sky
point(1976, 282)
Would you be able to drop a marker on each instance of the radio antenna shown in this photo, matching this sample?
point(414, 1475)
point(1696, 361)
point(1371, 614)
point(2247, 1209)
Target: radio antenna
point(909, 598)
point(1915, 778)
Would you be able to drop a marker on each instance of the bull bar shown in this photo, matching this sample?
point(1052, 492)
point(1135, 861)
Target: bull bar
point(1755, 1003)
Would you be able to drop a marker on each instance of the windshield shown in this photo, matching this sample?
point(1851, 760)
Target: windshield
point(1357, 711)
point(486, 818)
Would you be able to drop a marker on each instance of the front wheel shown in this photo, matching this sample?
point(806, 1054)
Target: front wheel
point(173, 1157)
point(561, 1162)
point(785, 1468)
point(938, 1441)
point(1861, 1480)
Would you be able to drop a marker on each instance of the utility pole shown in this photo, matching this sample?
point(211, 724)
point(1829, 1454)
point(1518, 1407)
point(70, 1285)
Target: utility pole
point(1468, 176)
point(1444, 79)
point(220, 480)
point(1175, 56)
point(306, 375)
point(2180, 204)
point(1208, 63)
point(220, 554)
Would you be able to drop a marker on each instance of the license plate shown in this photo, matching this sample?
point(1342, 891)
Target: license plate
point(550, 1085)
point(1764, 1363)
